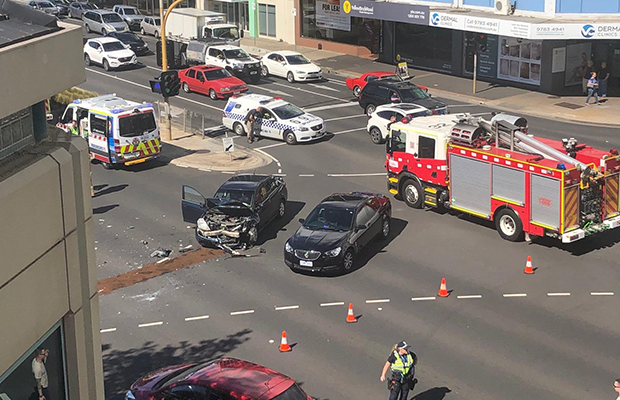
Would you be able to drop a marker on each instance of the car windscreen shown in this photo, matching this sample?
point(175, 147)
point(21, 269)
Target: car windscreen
point(113, 46)
point(297, 59)
point(215, 74)
point(330, 218)
point(236, 53)
point(180, 375)
point(226, 33)
point(128, 37)
point(288, 111)
point(111, 18)
point(87, 6)
point(292, 393)
point(413, 93)
point(137, 124)
point(226, 195)
point(130, 11)
point(392, 78)
point(399, 141)
point(46, 5)
point(157, 21)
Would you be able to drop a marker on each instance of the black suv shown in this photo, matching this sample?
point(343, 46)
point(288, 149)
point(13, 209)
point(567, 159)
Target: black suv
point(239, 210)
point(134, 41)
point(379, 92)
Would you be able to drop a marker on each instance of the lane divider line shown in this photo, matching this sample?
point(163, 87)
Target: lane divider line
point(151, 324)
point(470, 296)
point(336, 303)
point(423, 298)
point(279, 170)
point(163, 260)
point(348, 131)
point(353, 175)
point(282, 308)
point(306, 175)
point(515, 295)
point(557, 294)
point(601, 293)
point(377, 301)
point(107, 330)
point(242, 312)
point(315, 93)
point(196, 318)
point(347, 117)
point(329, 107)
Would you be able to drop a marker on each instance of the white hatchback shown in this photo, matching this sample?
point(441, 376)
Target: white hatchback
point(290, 65)
point(378, 121)
point(108, 52)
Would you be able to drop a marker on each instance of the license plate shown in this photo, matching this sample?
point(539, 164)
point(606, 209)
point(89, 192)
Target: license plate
point(236, 92)
point(305, 263)
point(253, 72)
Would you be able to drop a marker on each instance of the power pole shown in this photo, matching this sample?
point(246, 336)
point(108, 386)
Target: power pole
point(164, 67)
point(475, 68)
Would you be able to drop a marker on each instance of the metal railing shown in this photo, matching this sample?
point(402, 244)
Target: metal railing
point(186, 122)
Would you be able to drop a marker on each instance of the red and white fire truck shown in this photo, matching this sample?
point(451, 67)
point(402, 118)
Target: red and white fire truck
point(497, 171)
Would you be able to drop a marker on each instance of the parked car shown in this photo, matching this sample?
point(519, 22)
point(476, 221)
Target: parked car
point(214, 81)
point(241, 208)
point(223, 379)
point(132, 40)
point(77, 9)
point(45, 6)
point(109, 53)
point(131, 15)
point(103, 21)
point(63, 7)
point(150, 26)
point(377, 121)
point(290, 65)
point(357, 84)
point(336, 230)
point(377, 92)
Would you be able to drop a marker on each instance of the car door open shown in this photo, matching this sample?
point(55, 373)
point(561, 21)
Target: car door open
point(193, 204)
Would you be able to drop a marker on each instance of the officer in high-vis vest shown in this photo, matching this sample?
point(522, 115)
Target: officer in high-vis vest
point(401, 364)
point(73, 129)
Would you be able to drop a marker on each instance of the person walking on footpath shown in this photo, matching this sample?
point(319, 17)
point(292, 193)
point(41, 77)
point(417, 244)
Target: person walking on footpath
point(251, 122)
point(592, 88)
point(401, 364)
point(617, 387)
point(588, 69)
point(603, 77)
point(40, 374)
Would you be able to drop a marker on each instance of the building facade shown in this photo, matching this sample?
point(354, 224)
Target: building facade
point(48, 293)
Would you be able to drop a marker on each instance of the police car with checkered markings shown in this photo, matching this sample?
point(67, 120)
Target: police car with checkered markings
point(279, 119)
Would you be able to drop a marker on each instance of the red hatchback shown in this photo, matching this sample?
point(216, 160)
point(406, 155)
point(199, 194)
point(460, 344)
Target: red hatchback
point(357, 84)
point(222, 379)
point(217, 82)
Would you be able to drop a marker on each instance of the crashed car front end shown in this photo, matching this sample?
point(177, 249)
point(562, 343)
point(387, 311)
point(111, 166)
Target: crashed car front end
point(227, 228)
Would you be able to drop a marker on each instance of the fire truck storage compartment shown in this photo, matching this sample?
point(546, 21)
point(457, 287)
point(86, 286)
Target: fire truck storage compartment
point(545, 200)
point(470, 182)
point(509, 184)
point(611, 196)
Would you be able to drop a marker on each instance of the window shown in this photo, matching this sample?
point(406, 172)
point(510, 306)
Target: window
point(137, 124)
point(67, 116)
point(267, 20)
point(385, 114)
point(200, 77)
point(98, 124)
point(399, 141)
point(364, 215)
point(94, 45)
point(274, 57)
point(425, 46)
point(191, 73)
point(426, 147)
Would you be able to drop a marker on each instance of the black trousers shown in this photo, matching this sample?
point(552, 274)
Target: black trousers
point(400, 391)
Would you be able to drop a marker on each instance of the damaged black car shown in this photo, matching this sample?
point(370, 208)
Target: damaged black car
point(240, 209)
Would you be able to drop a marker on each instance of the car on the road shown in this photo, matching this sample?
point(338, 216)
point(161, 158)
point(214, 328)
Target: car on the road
point(236, 60)
point(103, 21)
point(377, 92)
point(63, 7)
point(279, 119)
point(46, 6)
point(357, 84)
point(211, 80)
point(110, 53)
point(377, 121)
point(135, 42)
point(150, 26)
point(222, 379)
point(77, 9)
point(291, 65)
point(131, 15)
point(336, 230)
point(238, 211)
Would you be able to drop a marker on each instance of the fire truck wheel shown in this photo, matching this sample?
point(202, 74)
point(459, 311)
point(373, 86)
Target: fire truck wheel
point(412, 193)
point(509, 225)
point(375, 135)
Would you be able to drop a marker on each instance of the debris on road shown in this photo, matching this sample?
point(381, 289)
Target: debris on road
point(161, 253)
point(186, 248)
point(130, 227)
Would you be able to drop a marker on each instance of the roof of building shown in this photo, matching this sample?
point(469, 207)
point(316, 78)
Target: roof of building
point(18, 23)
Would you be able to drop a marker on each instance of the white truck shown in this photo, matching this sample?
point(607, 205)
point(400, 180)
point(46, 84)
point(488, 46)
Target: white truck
point(187, 24)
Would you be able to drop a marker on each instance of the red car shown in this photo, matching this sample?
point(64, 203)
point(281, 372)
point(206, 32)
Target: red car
point(222, 379)
point(357, 84)
point(215, 81)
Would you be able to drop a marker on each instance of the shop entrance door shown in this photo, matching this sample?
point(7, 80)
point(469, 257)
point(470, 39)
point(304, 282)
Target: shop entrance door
point(468, 54)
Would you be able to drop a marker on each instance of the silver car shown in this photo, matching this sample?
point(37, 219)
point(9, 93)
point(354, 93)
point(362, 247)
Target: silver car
point(45, 6)
point(76, 9)
point(131, 15)
point(150, 26)
point(103, 21)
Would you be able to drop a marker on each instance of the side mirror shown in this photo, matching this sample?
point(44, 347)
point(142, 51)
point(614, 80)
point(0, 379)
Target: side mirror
point(301, 220)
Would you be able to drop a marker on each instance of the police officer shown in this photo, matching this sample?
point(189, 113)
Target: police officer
point(252, 123)
point(401, 364)
point(73, 129)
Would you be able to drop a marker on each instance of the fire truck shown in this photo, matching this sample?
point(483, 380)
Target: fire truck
point(528, 186)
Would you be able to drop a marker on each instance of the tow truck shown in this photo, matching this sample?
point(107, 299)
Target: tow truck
point(498, 171)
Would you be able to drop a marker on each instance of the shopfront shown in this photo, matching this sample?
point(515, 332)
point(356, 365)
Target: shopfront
point(236, 11)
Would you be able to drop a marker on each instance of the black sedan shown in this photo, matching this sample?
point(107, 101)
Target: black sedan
point(242, 207)
point(132, 40)
point(336, 230)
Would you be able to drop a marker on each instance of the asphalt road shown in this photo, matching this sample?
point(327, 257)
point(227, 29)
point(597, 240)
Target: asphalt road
point(552, 337)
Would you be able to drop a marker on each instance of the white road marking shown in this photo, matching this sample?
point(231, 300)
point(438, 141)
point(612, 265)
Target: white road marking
point(337, 82)
point(150, 324)
point(321, 108)
point(323, 87)
point(348, 131)
point(228, 172)
point(196, 318)
point(271, 341)
point(601, 293)
point(163, 260)
point(557, 294)
point(260, 150)
point(311, 92)
point(347, 117)
point(380, 309)
point(470, 296)
point(306, 175)
point(107, 330)
point(423, 298)
point(337, 303)
point(515, 295)
point(279, 165)
point(377, 301)
point(278, 92)
point(242, 312)
point(350, 175)
point(279, 170)
point(286, 308)
point(279, 174)
point(204, 169)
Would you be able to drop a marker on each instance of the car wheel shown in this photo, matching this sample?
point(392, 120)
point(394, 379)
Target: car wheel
point(212, 94)
point(290, 77)
point(357, 91)
point(239, 129)
point(252, 236)
point(156, 34)
point(386, 225)
point(86, 60)
point(370, 108)
point(412, 193)
point(186, 87)
point(282, 208)
point(348, 260)
point(375, 135)
point(509, 225)
point(264, 71)
point(142, 31)
point(289, 137)
point(106, 165)
point(106, 65)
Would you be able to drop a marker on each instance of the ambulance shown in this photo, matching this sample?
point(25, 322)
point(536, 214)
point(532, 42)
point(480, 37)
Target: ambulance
point(118, 131)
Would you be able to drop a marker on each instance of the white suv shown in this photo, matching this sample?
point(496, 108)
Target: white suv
point(377, 121)
point(109, 53)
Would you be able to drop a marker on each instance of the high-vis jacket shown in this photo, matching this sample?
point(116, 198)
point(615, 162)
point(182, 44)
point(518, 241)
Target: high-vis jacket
point(399, 366)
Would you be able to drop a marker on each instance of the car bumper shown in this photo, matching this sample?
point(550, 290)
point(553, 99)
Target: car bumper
point(308, 77)
point(223, 95)
point(246, 73)
point(221, 239)
point(309, 136)
point(141, 50)
point(120, 64)
point(322, 264)
point(134, 25)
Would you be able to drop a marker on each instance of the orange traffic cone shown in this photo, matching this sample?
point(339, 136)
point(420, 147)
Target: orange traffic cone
point(284, 346)
point(443, 290)
point(528, 266)
point(350, 316)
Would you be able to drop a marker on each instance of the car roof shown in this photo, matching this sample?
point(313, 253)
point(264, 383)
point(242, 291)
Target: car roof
point(205, 67)
point(400, 107)
point(287, 52)
point(226, 47)
point(124, 6)
point(259, 100)
point(380, 73)
point(392, 84)
point(102, 11)
point(104, 40)
point(347, 200)
point(244, 182)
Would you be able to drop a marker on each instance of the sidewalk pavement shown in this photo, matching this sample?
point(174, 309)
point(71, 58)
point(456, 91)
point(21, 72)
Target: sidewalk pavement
point(491, 95)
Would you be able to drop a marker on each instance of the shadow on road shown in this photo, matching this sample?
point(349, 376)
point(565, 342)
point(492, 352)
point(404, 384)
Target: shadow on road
point(599, 241)
point(271, 231)
point(110, 189)
point(436, 393)
point(104, 209)
point(123, 367)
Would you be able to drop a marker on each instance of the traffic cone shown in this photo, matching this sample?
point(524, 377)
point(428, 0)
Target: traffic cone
point(350, 316)
point(443, 290)
point(528, 266)
point(284, 346)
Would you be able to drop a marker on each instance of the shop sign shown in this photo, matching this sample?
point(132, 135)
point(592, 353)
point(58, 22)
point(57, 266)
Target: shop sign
point(487, 60)
point(482, 25)
point(397, 12)
point(330, 16)
point(515, 29)
point(576, 31)
point(445, 20)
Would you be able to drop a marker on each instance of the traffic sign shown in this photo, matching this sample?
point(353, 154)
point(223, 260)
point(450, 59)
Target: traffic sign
point(229, 144)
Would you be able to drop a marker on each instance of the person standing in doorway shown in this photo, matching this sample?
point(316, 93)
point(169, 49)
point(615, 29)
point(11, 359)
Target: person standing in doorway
point(592, 89)
point(587, 72)
point(40, 373)
point(603, 77)
point(401, 364)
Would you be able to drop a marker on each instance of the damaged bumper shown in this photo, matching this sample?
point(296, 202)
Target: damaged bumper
point(220, 238)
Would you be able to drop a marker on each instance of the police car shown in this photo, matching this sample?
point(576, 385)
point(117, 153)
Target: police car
point(279, 120)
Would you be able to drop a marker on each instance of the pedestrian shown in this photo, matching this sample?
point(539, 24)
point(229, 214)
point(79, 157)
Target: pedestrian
point(40, 373)
point(617, 387)
point(251, 122)
point(401, 364)
point(587, 72)
point(603, 76)
point(592, 89)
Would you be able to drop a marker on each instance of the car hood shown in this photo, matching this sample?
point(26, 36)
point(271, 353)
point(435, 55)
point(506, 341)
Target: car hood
point(116, 25)
point(244, 60)
point(232, 208)
point(227, 82)
point(305, 67)
point(429, 103)
point(146, 383)
point(134, 17)
point(121, 53)
point(321, 240)
point(306, 120)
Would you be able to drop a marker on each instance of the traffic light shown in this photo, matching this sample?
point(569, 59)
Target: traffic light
point(481, 42)
point(170, 83)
